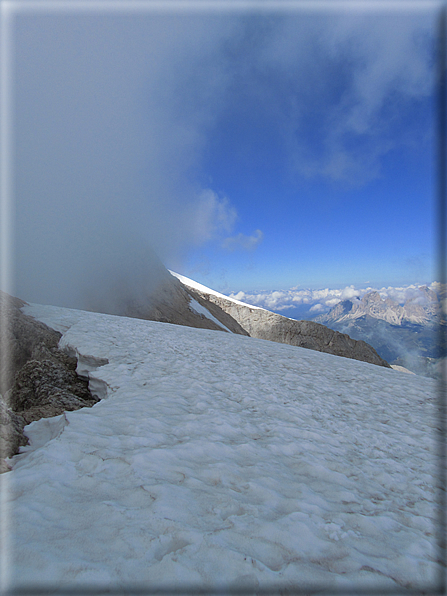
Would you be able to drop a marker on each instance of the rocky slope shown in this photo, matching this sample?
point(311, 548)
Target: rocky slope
point(162, 299)
point(264, 324)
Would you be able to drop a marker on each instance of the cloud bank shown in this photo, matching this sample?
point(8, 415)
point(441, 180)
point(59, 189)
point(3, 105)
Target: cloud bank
point(315, 302)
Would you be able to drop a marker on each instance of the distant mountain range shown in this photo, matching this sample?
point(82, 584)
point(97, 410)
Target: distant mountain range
point(407, 334)
point(422, 309)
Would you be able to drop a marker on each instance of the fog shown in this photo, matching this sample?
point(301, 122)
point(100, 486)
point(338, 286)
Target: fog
point(104, 183)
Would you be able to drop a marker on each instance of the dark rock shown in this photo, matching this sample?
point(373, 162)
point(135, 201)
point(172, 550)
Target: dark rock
point(169, 303)
point(11, 434)
point(217, 311)
point(47, 388)
point(20, 336)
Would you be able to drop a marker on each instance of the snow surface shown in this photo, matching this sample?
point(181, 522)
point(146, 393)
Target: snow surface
point(222, 460)
point(196, 286)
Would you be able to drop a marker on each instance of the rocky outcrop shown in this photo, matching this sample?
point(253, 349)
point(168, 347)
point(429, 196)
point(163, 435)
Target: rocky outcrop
point(37, 379)
point(264, 324)
point(11, 434)
point(423, 308)
point(48, 387)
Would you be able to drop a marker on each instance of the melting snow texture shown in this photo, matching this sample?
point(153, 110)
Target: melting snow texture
point(222, 460)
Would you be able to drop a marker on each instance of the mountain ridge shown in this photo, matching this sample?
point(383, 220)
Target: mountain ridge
point(263, 324)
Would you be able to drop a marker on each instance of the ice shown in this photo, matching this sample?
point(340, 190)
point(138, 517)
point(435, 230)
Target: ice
point(219, 460)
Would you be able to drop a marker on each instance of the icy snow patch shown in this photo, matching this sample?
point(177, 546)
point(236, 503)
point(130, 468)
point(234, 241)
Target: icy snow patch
point(199, 309)
point(222, 460)
point(58, 318)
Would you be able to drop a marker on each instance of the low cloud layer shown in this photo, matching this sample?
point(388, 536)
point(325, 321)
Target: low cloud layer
point(316, 302)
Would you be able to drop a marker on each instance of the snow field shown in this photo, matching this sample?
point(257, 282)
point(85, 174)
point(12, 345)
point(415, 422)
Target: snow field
point(222, 460)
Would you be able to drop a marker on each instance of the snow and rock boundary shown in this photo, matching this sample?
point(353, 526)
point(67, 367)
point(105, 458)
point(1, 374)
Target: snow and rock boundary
point(263, 324)
point(38, 379)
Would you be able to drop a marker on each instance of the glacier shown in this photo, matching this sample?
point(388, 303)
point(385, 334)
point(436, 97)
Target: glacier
point(217, 461)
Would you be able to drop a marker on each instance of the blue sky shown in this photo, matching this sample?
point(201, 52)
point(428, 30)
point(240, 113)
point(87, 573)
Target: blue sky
point(251, 150)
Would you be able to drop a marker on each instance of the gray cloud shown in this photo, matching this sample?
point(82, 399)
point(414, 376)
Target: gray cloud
point(357, 80)
point(211, 216)
point(109, 126)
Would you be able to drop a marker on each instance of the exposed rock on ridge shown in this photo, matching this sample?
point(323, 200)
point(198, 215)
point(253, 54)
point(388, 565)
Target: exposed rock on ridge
point(171, 303)
point(263, 324)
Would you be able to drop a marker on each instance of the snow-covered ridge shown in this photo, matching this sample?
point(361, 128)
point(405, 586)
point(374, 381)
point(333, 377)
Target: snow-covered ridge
point(196, 286)
point(219, 460)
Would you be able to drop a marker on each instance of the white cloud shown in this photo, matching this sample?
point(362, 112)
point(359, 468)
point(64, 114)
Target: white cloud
point(349, 292)
point(402, 294)
point(332, 302)
point(316, 308)
point(243, 242)
point(301, 296)
point(210, 216)
point(275, 299)
point(239, 296)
